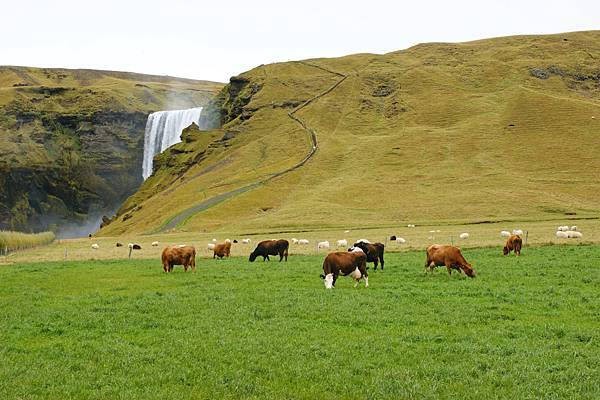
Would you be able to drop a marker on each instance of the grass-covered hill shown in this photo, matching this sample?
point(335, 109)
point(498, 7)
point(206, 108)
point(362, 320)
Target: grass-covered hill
point(71, 141)
point(497, 129)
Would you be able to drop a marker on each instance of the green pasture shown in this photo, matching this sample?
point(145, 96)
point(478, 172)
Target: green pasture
point(525, 328)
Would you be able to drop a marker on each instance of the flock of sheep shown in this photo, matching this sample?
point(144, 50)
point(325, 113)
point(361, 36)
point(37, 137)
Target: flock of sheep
point(562, 232)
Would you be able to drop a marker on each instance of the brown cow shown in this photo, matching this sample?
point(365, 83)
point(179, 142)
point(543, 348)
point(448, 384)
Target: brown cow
point(450, 256)
point(268, 248)
point(222, 250)
point(374, 252)
point(177, 255)
point(514, 242)
point(352, 263)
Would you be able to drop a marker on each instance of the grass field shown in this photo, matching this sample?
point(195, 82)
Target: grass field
point(525, 328)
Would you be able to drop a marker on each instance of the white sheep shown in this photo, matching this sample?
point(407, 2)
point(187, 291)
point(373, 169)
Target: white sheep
point(245, 241)
point(400, 240)
point(155, 243)
point(211, 246)
point(574, 234)
point(517, 232)
point(464, 235)
point(323, 245)
point(563, 228)
point(410, 225)
point(294, 241)
point(214, 240)
point(95, 246)
point(342, 243)
point(561, 235)
point(303, 241)
point(574, 228)
point(505, 233)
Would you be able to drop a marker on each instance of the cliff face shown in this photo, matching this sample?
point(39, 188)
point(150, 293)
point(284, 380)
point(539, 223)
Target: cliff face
point(71, 141)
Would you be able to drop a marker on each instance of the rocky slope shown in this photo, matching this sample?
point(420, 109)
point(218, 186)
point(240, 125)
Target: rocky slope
point(71, 141)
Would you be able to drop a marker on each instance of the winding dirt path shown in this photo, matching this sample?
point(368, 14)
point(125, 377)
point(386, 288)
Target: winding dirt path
point(184, 215)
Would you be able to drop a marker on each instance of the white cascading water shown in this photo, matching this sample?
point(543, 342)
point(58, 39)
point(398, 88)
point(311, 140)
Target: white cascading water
point(163, 130)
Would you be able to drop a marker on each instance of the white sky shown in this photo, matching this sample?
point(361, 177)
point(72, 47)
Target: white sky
point(218, 39)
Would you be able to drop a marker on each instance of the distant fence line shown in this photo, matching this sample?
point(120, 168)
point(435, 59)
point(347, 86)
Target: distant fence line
point(11, 241)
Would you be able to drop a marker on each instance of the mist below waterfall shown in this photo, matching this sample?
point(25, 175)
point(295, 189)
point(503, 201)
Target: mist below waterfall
point(163, 130)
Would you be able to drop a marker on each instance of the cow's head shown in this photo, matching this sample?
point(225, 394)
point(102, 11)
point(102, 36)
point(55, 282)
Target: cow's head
point(505, 250)
point(361, 245)
point(252, 257)
point(328, 280)
point(469, 271)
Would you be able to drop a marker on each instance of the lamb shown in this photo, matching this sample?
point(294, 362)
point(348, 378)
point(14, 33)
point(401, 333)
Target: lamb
point(561, 235)
point(245, 241)
point(505, 233)
point(573, 228)
point(400, 240)
point(155, 243)
point(95, 246)
point(303, 241)
point(518, 232)
point(342, 243)
point(294, 241)
point(464, 235)
point(323, 245)
point(564, 228)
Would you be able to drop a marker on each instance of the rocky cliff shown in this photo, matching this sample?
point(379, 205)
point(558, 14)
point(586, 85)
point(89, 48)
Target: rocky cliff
point(71, 141)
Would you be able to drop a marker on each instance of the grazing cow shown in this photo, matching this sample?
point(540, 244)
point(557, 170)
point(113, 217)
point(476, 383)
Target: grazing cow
point(374, 252)
point(450, 256)
point(175, 255)
point(268, 248)
point(514, 242)
point(222, 250)
point(351, 263)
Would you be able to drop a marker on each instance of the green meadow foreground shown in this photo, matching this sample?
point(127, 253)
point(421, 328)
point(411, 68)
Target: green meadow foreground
point(526, 327)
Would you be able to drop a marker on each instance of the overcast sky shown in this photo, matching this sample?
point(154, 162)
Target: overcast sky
point(218, 39)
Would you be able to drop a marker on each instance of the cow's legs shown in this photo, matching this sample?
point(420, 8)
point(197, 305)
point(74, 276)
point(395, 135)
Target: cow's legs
point(281, 256)
point(335, 276)
point(376, 262)
point(449, 267)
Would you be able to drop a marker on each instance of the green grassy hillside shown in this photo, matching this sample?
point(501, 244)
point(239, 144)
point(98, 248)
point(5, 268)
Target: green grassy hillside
point(498, 129)
point(71, 141)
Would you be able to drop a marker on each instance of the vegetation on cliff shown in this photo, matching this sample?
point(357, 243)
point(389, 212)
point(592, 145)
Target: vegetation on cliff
point(71, 141)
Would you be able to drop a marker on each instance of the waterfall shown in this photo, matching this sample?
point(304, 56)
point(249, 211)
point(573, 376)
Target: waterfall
point(163, 130)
